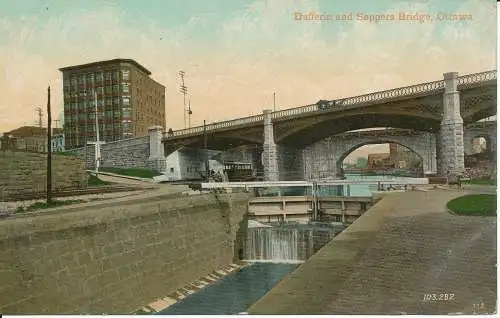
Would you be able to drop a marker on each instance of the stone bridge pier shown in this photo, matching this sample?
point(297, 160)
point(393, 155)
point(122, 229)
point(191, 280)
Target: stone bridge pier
point(279, 162)
point(451, 136)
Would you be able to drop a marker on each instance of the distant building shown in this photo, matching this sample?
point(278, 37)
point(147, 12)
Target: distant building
point(128, 101)
point(380, 160)
point(33, 138)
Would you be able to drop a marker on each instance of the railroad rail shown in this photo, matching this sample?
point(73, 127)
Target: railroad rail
point(70, 193)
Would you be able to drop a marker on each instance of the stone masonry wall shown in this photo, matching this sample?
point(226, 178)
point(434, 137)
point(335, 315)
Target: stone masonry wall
point(114, 257)
point(324, 158)
point(291, 164)
point(26, 173)
point(128, 153)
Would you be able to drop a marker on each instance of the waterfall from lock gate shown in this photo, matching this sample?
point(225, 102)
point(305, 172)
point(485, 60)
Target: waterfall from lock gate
point(279, 244)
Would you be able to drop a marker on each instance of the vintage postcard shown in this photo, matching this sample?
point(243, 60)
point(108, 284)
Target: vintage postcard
point(260, 157)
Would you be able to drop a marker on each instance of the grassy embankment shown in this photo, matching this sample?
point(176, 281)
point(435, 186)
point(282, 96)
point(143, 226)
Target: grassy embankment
point(131, 172)
point(474, 205)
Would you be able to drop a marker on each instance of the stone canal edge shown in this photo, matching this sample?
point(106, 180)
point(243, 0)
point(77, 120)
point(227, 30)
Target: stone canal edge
point(162, 304)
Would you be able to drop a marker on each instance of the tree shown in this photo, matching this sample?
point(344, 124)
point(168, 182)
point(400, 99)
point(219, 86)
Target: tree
point(361, 162)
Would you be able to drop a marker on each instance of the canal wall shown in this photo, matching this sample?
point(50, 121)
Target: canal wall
point(115, 256)
point(25, 173)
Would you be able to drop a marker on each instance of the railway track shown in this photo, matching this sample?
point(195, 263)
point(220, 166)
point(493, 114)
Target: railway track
point(71, 193)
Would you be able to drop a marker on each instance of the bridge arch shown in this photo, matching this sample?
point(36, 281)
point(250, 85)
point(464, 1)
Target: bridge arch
point(323, 157)
point(311, 131)
point(222, 143)
point(486, 130)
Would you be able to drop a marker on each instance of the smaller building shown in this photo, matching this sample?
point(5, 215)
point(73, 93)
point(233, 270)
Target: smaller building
point(188, 164)
point(380, 160)
point(33, 139)
point(58, 143)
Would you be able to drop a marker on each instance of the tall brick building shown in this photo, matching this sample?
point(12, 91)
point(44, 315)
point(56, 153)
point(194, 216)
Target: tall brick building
point(128, 101)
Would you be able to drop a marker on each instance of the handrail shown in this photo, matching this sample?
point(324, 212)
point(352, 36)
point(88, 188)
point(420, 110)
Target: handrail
point(407, 91)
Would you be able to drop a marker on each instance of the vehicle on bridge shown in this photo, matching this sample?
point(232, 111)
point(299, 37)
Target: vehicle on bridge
point(239, 171)
point(326, 104)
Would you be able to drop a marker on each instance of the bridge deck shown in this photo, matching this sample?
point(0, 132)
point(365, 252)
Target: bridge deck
point(464, 81)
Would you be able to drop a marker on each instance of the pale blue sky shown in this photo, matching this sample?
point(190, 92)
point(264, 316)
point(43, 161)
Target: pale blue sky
point(171, 14)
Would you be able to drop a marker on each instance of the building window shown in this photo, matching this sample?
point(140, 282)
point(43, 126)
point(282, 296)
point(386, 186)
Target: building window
point(172, 170)
point(126, 101)
point(125, 74)
point(108, 101)
point(90, 77)
point(81, 80)
point(100, 90)
point(99, 77)
point(126, 112)
point(116, 101)
point(116, 88)
point(125, 88)
point(116, 75)
point(108, 89)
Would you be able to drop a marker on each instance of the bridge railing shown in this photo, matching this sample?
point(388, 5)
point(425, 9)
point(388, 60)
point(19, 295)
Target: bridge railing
point(393, 93)
point(294, 111)
point(475, 78)
point(215, 126)
point(407, 91)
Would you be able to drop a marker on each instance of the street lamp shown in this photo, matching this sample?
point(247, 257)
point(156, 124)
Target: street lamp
point(98, 142)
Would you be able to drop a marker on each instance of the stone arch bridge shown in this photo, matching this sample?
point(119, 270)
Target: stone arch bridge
point(326, 156)
point(440, 107)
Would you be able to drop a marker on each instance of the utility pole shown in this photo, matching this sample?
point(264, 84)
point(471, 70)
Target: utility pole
point(78, 123)
point(49, 149)
point(39, 113)
point(207, 166)
point(183, 90)
point(274, 101)
point(98, 142)
point(189, 112)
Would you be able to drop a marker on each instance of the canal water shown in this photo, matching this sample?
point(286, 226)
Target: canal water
point(272, 253)
point(234, 293)
point(352, 190)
